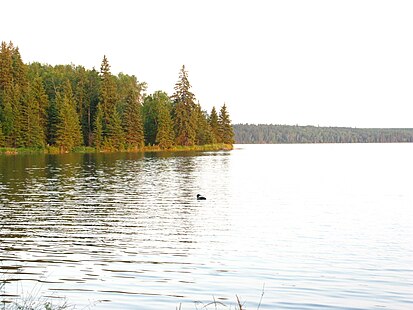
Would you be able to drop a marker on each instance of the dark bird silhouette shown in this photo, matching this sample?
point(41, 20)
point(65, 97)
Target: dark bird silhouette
point(199, 197)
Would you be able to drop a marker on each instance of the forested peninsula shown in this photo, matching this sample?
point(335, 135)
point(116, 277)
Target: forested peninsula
point(267, 134)
point(69, 107)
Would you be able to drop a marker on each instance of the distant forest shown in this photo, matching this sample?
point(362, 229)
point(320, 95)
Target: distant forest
point(69, 106)
point(273, 134)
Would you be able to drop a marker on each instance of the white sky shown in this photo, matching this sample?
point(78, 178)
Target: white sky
point(321, 62)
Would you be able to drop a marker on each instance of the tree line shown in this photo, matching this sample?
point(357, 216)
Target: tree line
point(67, 106)
point(263, 134)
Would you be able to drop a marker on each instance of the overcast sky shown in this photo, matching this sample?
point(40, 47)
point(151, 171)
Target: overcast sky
point(323, 62)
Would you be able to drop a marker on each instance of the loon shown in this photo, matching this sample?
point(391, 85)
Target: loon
point(199, 197)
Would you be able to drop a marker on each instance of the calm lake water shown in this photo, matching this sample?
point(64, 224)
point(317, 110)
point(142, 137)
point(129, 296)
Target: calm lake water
point(310, 226)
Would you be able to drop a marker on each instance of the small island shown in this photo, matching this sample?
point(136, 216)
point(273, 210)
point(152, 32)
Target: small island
point(66, 108)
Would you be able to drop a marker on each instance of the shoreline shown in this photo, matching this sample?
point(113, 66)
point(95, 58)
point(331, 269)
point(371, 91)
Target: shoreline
point(146, 149)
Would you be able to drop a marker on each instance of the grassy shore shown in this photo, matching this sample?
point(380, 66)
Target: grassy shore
point(86, 149)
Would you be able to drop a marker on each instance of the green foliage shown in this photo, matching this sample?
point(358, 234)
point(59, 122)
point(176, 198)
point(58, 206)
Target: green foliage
point(68, 128)
point(112, 133)
point(2, 140)
point(150, 116)
point(132, 110)
point(63, 107)
point(225, 130)
point(184, 110)
point(165, 135)
point(98, 134)
point(203, 131)
point(157, 120)
point(213, 123)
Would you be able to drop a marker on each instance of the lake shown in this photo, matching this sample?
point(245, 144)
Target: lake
point(327, 226)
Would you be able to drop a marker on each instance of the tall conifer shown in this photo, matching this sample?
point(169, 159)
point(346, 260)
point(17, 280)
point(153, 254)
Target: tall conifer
point(68, 129)
point(183, 112)
point(213, 122)
point(165, 135)
point(226, 131)
point(133, 122)
point(113, 137)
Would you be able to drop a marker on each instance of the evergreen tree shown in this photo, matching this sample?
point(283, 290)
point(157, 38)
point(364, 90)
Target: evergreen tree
point(165, 132)
point(52, 122)
point(158, 123)
point(32, 122)
point(68, 128)
point(112, 132)
point(2, 140)
point(39, 95)
point(226, 132)
point(90, 109)
point(13, 93)
point(150, 119)
point(183, 112)
point(6, 96)
point(203, 129)
point(213, 122)
point(6, 68)
point(19, 69)
point(115, 139)
point(133, 122)
point(81, 97)
point(98, 132)
point(17, 134)
point(34, 116)
point(7, 116)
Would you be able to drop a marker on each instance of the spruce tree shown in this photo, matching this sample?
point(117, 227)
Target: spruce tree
point(52, 122)
point(90, 109)
point(2, 140)
point(6, 68)
point(7, 116)
point(32, 122)
point(17, 133)
point(68, 128)
point(113, 137)
point(98, 131)
point(213, 122)
point(133, 122)
point(203, 129)
point(34, 115)
point(183, 112)
point(165, 135)
point(150, 119)
point(225, 130)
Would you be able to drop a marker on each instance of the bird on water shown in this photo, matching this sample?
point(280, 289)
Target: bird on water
point(199, 197)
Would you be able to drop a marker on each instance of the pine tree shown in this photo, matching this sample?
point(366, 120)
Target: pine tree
point(226, 132)
point(183, 113)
